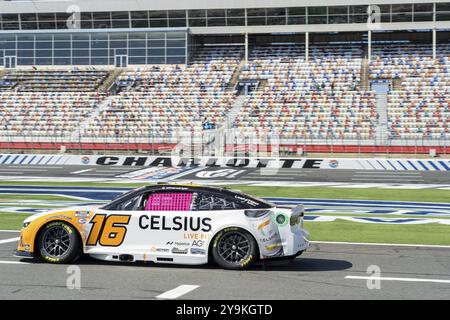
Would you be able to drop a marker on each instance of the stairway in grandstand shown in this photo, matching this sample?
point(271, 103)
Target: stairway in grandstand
point(110, 80)
point(102, 106)
point(234, 111)
point(365, 73)
point(235, 78)
point(4, 84)
point(209, 142)
point(381, 130)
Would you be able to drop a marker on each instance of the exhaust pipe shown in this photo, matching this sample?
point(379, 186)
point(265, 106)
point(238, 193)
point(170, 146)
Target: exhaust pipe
point(126, 258)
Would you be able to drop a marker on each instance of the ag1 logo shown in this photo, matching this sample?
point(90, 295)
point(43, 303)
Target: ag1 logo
point(198, 243)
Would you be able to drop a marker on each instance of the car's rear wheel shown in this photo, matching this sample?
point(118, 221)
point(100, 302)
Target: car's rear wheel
point(59, 242)
point(234, 248)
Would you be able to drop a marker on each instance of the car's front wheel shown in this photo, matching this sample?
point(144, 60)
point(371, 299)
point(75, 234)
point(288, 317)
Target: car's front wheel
point(59, 242)
point(234, 248)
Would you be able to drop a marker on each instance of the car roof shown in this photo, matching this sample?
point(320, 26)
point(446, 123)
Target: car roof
point(191, 187)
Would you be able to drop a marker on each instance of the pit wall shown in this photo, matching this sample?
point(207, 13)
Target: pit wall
point(298, 163)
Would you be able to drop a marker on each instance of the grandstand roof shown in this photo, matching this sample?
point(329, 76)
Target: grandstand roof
point(25, 6)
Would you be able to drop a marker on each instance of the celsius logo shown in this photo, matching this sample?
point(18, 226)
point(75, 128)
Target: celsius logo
point(85, 160)
point(176, 223)
point(333, 164)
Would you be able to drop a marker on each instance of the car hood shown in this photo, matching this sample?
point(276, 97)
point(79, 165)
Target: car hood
point(60, 210)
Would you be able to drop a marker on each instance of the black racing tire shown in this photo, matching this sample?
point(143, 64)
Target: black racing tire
point(234, 249)
point(59, 242)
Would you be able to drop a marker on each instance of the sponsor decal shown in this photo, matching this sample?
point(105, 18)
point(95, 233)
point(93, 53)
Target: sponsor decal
point(281, 219)
point(82, 214)
point(50, 259)
point(263, 224)
point(82, 221)
point(85, 160)
point(156, 249)
point(268, 234)
point(198, 251)
point(171, 243)
point(195, 236)
point(176, 223)
point(269, 238)
point(198, 243)
point(59, 217)
point(180, 251)
point(248, 201)
point(246, 261)
point(155, 173)
point(273, 246)
point(333, 164)
point(215, 174)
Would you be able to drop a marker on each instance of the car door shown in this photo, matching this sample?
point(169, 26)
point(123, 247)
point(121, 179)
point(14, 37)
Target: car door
point(149, 224)
point(176, 225)
point(116, 229)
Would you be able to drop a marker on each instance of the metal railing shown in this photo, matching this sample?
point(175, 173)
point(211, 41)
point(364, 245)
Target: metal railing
point(212, 142)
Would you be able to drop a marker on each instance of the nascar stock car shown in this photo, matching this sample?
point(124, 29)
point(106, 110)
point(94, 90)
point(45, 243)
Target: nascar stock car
point(179, 224)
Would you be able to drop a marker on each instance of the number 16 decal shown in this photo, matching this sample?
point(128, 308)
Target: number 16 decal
point(108, 231)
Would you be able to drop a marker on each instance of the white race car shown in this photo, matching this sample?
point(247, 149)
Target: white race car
point(179, 224)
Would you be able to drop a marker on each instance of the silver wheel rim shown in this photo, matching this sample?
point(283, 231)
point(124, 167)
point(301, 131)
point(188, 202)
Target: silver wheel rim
point(234, 247)
point(56, 242)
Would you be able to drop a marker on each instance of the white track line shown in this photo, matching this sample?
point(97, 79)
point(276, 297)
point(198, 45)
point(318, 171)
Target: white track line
point(35, 167)
point(15, 231)
point(32, 170)
point(177, 292)
point(13, 262)
point(109, 171)
point(9, 240)
point(387, 173)
point(11, 172)
point(97, 174)
point(397, 279)
point(81, 171)
point(383, 244)
point(47, 194)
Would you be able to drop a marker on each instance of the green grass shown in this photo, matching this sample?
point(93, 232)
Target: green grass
point(347, 231)
point(338, 230)
point(34, 197)
point(12, 221)
point(422, 195)
point(366, 215)
point(71, 184)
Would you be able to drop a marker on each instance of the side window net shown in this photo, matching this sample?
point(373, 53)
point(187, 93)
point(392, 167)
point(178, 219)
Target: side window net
point(169, 202)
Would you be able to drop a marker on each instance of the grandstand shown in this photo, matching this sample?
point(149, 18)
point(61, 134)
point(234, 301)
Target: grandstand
point(340, 76)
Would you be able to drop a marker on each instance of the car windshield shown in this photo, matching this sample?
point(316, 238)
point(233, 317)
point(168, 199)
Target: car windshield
point(121, 196)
